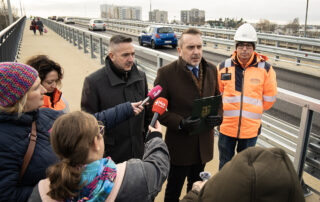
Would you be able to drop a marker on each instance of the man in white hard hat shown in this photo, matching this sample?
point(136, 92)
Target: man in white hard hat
point(249, 87)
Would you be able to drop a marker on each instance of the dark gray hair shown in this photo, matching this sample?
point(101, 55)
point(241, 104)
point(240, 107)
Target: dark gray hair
point(192, 31)
point(116, 39)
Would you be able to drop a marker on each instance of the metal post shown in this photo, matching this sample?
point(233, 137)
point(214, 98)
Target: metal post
point(84, 42)
point(70, 35)
point(159, 62)
point(302, 144)
point(305, 23)
point(91, 47)
point(78, 39)
point(101, 51)
point(9, 12)
point(74, 38)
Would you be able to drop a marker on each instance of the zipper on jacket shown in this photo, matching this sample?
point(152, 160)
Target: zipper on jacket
point(241, 103)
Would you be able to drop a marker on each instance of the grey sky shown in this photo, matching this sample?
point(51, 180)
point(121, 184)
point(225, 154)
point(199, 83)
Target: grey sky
point(279, 11)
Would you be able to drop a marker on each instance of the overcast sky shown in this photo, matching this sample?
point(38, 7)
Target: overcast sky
point(279, 11)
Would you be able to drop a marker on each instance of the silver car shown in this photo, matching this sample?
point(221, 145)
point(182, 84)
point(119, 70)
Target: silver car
point(97, 24)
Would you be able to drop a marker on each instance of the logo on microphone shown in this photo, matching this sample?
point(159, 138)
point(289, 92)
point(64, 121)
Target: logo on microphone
point(156, 93)
point(161, 104)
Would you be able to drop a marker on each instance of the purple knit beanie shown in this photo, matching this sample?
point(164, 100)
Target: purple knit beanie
point(15, 80)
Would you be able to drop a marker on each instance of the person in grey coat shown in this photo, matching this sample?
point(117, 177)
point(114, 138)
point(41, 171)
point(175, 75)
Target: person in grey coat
point(117, 82)
point(84, 175)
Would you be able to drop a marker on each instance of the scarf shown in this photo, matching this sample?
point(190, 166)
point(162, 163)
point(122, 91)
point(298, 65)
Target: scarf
point(98, 178)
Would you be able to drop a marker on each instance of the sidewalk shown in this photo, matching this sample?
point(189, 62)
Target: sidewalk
point(77, 66)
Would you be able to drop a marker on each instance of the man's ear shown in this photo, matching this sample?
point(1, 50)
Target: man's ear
point(111, 56)
point(179, 51)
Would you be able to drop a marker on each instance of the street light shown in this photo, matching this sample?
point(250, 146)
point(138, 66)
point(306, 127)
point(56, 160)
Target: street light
point(305, 23)
point(9, 12)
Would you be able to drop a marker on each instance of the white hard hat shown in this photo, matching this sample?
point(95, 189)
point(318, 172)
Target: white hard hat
point(246, 33)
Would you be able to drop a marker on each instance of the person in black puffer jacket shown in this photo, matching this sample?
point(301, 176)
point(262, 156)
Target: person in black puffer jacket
point(21, 95)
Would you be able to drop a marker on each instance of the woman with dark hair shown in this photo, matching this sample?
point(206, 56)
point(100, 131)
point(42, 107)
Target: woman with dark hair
point(51, 74)
point(25, 150)
point(84, 175)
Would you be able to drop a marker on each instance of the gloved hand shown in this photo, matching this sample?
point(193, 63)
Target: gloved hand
point(188, 124)
point(213, 121)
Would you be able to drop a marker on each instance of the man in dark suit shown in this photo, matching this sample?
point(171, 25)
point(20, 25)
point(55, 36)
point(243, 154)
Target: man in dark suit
point(117, 82)
point(188, 78)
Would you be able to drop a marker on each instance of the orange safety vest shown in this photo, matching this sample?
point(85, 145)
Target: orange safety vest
point(57, 104)
point(246, 93)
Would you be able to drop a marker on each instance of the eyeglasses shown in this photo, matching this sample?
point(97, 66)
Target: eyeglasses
point(247, 45)
point(101, 128)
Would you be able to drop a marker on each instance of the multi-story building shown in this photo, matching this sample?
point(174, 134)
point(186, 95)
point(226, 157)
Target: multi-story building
point(193, 16)
point(158, 16)
point(120, 12)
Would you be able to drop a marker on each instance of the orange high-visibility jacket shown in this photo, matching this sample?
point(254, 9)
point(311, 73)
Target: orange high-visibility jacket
point(57, 102)
point(246, 93)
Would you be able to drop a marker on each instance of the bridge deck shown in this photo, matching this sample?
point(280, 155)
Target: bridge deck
point(77, 65)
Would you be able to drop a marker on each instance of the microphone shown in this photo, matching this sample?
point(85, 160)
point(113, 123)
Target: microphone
point(158, 108)
point(154, 92)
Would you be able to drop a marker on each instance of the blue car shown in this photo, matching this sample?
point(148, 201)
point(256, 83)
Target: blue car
point(156, 36)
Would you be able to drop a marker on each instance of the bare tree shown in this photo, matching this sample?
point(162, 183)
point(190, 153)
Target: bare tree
point(293, 27)
point(266, 26)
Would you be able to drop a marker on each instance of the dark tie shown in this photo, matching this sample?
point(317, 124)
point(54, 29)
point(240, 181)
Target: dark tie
point(195, 72)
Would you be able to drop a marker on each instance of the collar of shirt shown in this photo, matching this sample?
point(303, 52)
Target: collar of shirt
point(191, 67)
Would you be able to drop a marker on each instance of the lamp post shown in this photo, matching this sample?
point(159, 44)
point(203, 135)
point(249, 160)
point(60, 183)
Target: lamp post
point(9, 12)
point(305, 23)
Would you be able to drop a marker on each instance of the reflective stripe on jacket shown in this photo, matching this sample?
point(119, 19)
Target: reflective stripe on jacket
point(247, 92)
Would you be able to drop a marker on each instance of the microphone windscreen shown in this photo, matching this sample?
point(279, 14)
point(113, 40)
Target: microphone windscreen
point(160, 105)
point(155, 91)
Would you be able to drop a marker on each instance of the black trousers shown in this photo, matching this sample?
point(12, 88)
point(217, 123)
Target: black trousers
point(177, 177)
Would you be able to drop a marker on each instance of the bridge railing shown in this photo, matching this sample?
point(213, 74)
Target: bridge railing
point(10, 40)
point(299, 56)
point(293, 139)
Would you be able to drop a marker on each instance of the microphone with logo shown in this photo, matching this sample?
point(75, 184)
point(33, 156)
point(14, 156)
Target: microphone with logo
point(158, 108)
point(154, 92)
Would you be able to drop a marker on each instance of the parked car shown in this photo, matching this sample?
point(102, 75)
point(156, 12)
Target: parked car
point(60, 19)
point(97, 24)
point(69, 20)
point(157, 35)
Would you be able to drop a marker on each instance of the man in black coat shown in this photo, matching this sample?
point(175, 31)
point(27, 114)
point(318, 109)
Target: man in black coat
point(117, 82)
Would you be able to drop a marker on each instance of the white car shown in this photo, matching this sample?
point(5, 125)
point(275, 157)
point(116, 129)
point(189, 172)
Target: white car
point(97, 24)
point(69, 20)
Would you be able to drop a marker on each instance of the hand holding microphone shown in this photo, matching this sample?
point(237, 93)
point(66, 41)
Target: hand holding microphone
point(154, 92)
point(136, 107)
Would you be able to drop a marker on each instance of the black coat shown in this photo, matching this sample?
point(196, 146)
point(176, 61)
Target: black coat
point(104, 89)
point(14, 141)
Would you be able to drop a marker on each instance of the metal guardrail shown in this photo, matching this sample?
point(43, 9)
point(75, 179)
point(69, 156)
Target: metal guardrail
point(280, 54)
point(275, 133)
point(228, 32)
point(10, 40)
